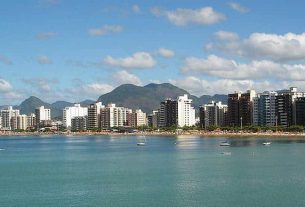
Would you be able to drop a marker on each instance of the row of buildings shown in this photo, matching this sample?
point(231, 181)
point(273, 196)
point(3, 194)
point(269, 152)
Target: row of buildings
point(11, 119)
point(270, 108)
point(178, 112)
point(173, 113)
point(98, 116)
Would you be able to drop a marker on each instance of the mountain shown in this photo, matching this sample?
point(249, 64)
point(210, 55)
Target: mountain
point(61, 104)
point(217, 97)
point(30, 104)
point(87, 102)
point(149, 97)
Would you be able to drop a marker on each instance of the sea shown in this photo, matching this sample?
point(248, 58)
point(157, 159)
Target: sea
point(97, 171)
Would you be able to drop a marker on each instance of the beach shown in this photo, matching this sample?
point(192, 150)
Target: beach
point(161, 133)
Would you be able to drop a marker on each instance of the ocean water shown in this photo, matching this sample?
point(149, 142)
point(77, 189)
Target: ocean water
point(169, 171)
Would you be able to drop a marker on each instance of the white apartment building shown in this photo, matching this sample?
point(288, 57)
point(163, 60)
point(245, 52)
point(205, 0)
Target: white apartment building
point(137, 118)
point(22, 122)
point(293, 91)
point(73, 111)
point(141, 118)
point(113, 116)
point(42, 114)
point(186, 112)
point(31, 120)
point(8, 116)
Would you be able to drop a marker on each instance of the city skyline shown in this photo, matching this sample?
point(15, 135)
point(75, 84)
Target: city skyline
point(64, 50)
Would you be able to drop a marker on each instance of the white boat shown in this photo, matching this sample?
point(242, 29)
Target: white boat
point(266, 143)
point(142, 143)
point(225, 144)
point(226, 153)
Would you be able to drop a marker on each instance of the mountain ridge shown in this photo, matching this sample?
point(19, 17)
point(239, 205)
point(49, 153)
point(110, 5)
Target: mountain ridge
point(146, 97)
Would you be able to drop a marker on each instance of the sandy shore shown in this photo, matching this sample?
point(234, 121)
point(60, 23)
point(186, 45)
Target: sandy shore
point(161, 133)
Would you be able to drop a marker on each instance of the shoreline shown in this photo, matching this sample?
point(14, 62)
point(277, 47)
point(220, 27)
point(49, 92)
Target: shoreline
point(163, 133)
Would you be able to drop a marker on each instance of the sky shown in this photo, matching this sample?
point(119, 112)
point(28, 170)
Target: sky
point(75, 50)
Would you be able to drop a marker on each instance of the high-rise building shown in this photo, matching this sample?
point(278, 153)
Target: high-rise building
point(284, 109)
point(43, 115)
point(168, 113)
point(233, 109)
point(14, 122)
point(246, 107)
point(240, 108)
point(31, 121)
point(186, 112)
point(300, 111)
point(73, 111)
point(153, 119)
point(22, 122)
point(264, 109)
point(94, 118)
point(9, 117)
point(213, 114)
point(287, 113)
point(137, 118)
point(113, 116)
point(79, 123)
point(178, 112)
point(293, 91)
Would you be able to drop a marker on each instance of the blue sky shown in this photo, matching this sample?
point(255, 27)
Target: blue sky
point(76, 50)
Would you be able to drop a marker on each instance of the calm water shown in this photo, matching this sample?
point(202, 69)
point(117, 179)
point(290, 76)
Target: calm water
point(169, 171)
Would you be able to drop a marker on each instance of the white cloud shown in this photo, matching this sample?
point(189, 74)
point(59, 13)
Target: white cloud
point(199, 87)
point(224, 35)
point(276, 47)
point(136, 9)
point(215, 66)
point(106, 29)
point(43, 60)
point(237, 7)
point(40, 84)
point(166, 52)
point(139, 60)
point(123, 77)
point(5, 86)
point(8, 94)
point(12, 96)
point(81, 90)
point(97, 88)
point(5, 60)
point(183, 17)
point(46, 35)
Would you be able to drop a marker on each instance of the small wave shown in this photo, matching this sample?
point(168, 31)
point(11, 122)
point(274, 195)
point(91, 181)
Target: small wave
point(2, 149)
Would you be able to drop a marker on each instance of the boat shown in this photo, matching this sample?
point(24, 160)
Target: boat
point(225, 144)
point(266, 143)
point(142, 143)
point(226, 153)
